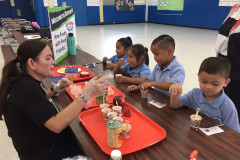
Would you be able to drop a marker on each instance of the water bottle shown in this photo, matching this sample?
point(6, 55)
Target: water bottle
point(116, 155)
point(71, 44)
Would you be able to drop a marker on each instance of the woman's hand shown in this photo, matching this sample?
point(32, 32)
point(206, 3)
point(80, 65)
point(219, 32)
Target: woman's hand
point(62, 85)
point(95, 87)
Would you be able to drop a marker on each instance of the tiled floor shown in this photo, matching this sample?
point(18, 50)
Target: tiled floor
point(192, 46)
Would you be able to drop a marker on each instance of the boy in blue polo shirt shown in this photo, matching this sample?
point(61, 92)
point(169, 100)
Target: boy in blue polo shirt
point(210, 98)
point(167, 70)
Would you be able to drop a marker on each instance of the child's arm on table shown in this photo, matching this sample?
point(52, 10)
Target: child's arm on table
point(116, 68)
point(161, 85)
point(175, 90)
point(137, 87)
point(130, 80)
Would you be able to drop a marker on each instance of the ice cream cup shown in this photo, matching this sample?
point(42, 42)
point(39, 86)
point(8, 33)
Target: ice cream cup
point(105, 111)
point(108, 62)
point(144, 93)
point(117, 109)
point(195, 120)
point(111, 115)
point(118, 118)
point(126, 130)
point(104, 105)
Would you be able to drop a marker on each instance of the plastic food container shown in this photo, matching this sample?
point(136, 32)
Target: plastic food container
point(55, 79)
point(105, 111)
point(195, 120)
point(71, 72)
point(105, 105)
point(84, 74)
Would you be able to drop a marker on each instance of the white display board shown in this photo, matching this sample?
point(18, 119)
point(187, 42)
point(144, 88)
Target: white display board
point(62, 22)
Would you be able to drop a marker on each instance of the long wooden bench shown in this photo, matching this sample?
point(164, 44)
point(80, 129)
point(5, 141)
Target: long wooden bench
point(8, 53)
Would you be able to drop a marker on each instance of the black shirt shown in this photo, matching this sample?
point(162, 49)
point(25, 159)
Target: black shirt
point(26, 111)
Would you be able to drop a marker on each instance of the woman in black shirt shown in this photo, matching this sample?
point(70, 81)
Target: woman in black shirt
point(228, 46)
point(36, 128)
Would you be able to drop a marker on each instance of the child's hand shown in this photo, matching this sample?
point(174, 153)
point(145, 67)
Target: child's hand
point(175, 89)
point(146, 85)
point(121, 78)
point(110, 65)
point(121, 61)
point(133, 88)
point(105, 59)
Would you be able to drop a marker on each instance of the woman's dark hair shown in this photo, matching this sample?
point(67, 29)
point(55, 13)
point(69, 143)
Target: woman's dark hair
point(216, 65)
point(13, 69)
point(164, 41)
point(138, 50)
point(126, 42)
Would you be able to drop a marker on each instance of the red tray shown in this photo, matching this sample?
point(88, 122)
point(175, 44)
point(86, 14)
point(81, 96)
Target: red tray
point(93, 102)
point(144, 132)
point(56, 73)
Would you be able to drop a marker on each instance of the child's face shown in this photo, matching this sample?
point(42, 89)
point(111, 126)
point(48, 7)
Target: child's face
point(132, 59)
point(163, 57)
point(120, 49)
point(212, 84)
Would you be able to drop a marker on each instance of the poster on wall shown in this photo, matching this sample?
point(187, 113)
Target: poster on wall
point(228, 3)
point(124, 5)
point(173, 5)
point(62, 22)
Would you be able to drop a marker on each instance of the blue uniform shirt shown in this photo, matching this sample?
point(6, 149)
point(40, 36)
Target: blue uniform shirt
point(174, 73)
point(141, 71)
point(114, 59)
point(221, 108)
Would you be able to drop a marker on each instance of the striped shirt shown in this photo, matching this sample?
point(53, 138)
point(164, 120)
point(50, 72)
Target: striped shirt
point(228, 41)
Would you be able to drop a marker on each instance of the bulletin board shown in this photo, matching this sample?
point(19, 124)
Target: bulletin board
point(174, 5)
point(124, 5)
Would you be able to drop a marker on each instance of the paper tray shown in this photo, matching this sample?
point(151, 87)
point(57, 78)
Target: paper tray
point(93, 101)
point(144, 131)
point(56, 73)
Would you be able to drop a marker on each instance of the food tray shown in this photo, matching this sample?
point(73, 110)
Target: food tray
point(93, 100)
point(82, 69)
point(144, 132)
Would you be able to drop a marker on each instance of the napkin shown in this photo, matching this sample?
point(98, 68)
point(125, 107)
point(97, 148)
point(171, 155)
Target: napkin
point(211, 130)
point(156, 104)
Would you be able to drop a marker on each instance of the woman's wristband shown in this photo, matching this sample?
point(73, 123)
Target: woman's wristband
point(55, 93)
point(83, 98)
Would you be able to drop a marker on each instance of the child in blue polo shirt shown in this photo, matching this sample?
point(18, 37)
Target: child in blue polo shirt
point(136, 68)
point(210, 97)
point(122, 47)
point(167, 70)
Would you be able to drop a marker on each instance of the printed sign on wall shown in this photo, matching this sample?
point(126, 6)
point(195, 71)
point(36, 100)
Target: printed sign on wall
point(62, 22)
point(174, 5)
point(124, 5)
